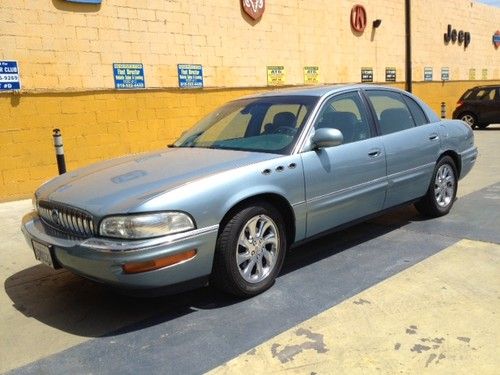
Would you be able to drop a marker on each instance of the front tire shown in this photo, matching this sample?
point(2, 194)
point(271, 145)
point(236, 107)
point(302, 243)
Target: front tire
point(442, 190)
point(250, 251)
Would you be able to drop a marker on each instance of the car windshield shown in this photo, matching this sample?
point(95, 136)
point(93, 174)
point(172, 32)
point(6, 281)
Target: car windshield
point(264, 124)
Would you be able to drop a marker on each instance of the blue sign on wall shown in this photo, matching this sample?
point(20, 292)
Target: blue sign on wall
point(445, 74)
point(428, 73)
point(85, 1)
point(9, 76)
point(129, 76)
point(190, 76)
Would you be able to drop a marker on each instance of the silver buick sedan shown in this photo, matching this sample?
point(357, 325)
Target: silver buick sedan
point(231, 195)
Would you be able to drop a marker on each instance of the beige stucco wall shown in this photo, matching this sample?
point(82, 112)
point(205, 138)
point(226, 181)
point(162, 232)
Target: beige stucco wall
point(62, 46)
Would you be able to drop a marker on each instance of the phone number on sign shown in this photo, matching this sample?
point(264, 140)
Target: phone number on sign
point(9, 77)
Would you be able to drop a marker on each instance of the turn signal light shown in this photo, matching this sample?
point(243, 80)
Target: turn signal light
point(155, 264)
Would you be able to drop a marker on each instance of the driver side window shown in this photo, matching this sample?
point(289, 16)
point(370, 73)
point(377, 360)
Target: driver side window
point(346, 113)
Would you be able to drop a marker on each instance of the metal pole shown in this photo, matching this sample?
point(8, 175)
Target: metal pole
point(443, 110)
point(408, 64)
point(58, 145)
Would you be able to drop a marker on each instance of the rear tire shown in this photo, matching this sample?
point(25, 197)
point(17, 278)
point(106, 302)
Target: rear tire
point(442, 190)
point(469, 118)
point(250, 251)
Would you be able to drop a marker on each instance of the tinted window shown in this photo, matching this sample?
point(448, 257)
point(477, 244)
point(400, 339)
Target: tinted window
point(345, 113)
point(466, 95)
point(416, 111)
point(391, 110)
point(485, 94)
point(264, 124)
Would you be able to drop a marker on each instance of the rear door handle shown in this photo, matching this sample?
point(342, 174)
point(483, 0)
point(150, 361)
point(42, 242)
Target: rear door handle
point(374, 153)
point(433, 136)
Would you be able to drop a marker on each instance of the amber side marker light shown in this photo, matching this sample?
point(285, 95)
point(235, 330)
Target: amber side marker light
point(155, 264)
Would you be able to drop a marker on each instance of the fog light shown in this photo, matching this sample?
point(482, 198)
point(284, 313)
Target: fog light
point(155, 264)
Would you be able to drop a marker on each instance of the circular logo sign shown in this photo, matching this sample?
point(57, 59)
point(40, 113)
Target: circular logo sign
point(358, 18)
point(254, 8)
point(496, 39)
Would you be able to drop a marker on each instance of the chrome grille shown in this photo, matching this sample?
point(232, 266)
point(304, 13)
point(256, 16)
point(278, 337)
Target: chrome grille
point(67, 219)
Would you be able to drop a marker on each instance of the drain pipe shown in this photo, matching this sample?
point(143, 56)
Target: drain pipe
point(408, 46)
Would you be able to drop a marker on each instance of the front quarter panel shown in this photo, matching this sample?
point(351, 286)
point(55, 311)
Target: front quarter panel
point(208, 199)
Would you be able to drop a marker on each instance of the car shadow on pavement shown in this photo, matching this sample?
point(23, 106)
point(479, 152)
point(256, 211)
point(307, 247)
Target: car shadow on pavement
point(84, 308)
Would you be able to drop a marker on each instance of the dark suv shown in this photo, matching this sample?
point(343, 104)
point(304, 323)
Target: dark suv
point(479, 106)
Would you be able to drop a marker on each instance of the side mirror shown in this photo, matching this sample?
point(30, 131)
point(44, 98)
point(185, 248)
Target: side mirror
point(327, 137)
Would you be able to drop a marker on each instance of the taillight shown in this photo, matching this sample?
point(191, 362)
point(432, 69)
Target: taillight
point(459, 103)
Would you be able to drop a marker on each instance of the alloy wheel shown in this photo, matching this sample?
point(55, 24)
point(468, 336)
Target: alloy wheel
point(444, 185)
point(257, 248)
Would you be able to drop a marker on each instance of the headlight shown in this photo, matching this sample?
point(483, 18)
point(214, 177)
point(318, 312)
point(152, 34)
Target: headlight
point(145, 225)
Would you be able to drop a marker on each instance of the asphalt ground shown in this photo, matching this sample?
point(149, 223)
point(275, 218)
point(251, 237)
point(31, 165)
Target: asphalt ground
point(399, 293)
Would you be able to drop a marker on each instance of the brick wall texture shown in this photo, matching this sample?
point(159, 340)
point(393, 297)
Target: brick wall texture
point(65, 53)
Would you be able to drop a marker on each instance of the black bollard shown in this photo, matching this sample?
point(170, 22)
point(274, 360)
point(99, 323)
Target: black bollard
point(58, 145)
point(443, 110)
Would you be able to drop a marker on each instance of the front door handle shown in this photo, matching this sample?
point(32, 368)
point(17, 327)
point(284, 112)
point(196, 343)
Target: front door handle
point(374, 153)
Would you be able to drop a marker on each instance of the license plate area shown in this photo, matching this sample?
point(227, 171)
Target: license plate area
point(44, 254)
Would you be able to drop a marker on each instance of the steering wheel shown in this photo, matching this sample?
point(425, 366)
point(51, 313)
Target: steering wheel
point(286, 130)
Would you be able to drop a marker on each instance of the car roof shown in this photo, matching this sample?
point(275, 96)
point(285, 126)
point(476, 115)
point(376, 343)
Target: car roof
point(484, 87)
point(318, 91)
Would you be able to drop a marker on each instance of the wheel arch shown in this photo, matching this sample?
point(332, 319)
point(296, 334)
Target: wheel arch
point(456, 159)
point(277, 201)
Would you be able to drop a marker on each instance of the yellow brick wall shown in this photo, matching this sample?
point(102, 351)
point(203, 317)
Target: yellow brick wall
point(101, 125)
point(95, 126)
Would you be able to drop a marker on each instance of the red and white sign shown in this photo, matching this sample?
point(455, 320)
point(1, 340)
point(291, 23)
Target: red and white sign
point(254, 8)
point(358, 18)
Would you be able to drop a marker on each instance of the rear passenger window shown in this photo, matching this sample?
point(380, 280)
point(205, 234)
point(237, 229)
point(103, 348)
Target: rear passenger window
point(416, 111)
point(392, 112)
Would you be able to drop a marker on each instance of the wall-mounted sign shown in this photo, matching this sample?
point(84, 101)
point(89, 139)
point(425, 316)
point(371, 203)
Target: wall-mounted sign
point(128, 76)
point(358, 18)
point(496, 39)
point(453, 35)
point(445, 74)
point(484, 74)
point(190, 76)
point(276, 75)
point(85, 1)
point(472, 74)
point(428, 73)
point(311, 75)
point(9, 76)
point(390, 74)
point(366, 74)
point(254, 8)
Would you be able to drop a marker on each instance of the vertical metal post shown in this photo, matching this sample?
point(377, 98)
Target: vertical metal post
point(408, 67)
point(58, 145)
point(443, 110)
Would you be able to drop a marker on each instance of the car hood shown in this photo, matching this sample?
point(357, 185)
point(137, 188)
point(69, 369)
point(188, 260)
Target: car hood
point(119, 185)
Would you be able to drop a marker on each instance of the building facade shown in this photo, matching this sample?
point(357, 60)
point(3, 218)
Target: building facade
point(69, 55)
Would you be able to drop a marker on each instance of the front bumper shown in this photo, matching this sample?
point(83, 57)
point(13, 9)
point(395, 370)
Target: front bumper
point(102, 259)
